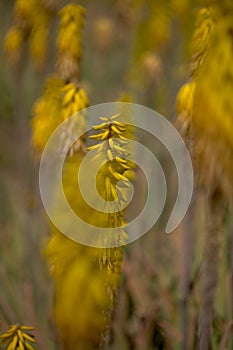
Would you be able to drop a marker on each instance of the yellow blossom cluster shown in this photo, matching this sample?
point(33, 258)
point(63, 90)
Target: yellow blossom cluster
point(115, 149)
point(18, 338)
point(59, 101)
point(74, 100)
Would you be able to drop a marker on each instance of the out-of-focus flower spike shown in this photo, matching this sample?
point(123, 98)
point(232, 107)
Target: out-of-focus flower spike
point(69, 41)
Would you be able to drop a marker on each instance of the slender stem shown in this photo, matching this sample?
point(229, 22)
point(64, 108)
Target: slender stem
point(214, 220)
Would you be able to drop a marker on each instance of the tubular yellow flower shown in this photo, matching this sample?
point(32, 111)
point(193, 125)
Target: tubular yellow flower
point(18, 338)
point(185, 107)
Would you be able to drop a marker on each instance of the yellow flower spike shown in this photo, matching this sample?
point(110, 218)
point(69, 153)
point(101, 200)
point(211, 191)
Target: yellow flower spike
point(69, 41)
point(204, 105)
point(31, 23)
point(115, 153)
point(205, 25)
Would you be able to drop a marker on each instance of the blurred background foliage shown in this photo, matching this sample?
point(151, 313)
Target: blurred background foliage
point(140, 48)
